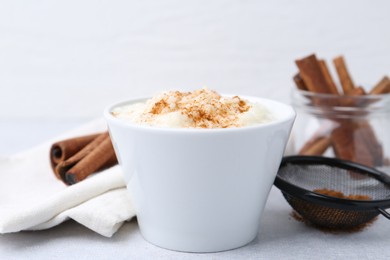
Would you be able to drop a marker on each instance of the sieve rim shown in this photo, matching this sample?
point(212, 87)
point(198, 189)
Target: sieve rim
point(325, 200)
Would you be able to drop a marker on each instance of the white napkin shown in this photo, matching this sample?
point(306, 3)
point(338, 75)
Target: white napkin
point(32, 198)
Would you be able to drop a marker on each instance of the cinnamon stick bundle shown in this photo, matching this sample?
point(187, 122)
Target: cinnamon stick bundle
point(352, 139)
point(98, 159)
point(62, 150)
point(81, 156)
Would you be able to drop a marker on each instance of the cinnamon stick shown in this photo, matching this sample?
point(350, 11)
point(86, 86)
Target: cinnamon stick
point(62, 150)
point(356, 141)
point(359, 91)
point(312, 75)
point(343, 143)
point(103, 154)
point(342, 71)
point(328, 77)
point(320, 140)
point(366, 134)
point(386, 161)
point(66, 165)
point(354, 102)
point(382, 87)
point(299, 82)
point(316, 146)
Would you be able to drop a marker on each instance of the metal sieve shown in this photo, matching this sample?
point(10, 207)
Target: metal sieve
point(300, 177)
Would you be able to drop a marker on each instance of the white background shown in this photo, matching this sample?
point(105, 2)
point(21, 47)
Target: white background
point(64, 61)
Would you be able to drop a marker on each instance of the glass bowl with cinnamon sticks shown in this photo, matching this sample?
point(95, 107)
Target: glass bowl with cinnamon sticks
point(342, 120)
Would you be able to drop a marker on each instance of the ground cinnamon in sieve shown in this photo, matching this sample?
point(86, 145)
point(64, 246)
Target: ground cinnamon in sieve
point(336, 194)
point(340, 195)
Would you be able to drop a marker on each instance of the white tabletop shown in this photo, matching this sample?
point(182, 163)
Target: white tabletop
point(280, 236)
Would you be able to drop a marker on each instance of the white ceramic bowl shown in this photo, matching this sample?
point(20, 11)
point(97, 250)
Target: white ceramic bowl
point(200, 190)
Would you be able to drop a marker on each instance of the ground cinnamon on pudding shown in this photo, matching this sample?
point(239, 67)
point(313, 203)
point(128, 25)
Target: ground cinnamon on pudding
point(202, 108)
point(205, 107)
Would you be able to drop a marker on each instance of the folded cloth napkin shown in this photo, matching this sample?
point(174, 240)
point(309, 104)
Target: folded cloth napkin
point(32, 198)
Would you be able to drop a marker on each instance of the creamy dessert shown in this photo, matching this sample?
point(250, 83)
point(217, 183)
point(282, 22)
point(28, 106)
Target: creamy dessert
point(202, 108)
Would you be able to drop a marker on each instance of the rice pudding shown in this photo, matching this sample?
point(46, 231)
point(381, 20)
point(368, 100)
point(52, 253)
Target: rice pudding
point(201, 108)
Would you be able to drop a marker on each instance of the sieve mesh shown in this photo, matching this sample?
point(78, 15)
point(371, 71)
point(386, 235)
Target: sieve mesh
point(349, 182)
point(331, 218)
point(310, 173)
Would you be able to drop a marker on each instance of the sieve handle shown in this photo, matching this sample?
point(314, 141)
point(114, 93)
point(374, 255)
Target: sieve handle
point(384, 213)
